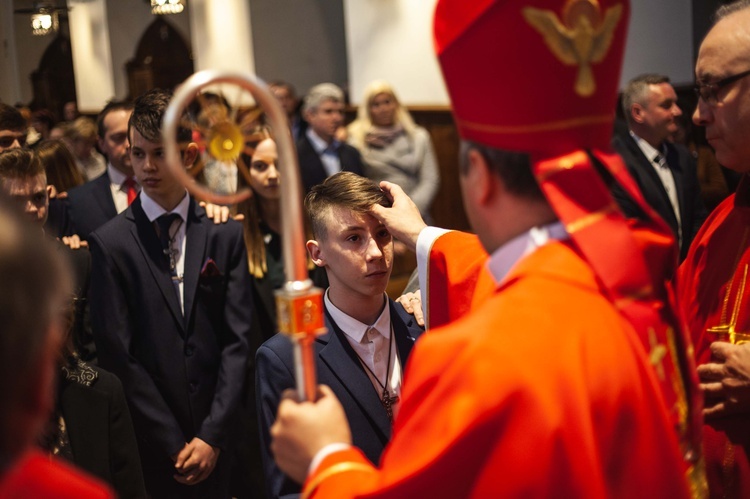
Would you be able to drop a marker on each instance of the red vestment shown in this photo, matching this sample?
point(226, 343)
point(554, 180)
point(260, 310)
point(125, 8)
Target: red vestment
point(523, 398)
point(40, 477)
point(712, 292)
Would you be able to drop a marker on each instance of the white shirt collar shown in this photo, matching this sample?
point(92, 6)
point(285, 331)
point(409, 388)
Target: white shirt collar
point(355, 329)
point(318, 143)
point(506, 256)
point(648, 150)
point(154, 210)
point(116, 177)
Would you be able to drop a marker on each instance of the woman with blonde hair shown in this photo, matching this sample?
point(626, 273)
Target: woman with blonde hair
point(393, 147)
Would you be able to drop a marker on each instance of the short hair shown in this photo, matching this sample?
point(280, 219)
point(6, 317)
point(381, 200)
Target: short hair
point(148, 114)
point(81, 128)
point(346, 190)
point(285, 85)
point(35, 290)
point(59, 165)
point(636, 91)
point(113, 105)
point(514, 168)
point(19, 164)
point(11, 118)
point(43, 116)
point(727, 10)
point(321, 93)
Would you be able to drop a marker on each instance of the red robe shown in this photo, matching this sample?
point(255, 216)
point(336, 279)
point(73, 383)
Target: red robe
point(40, 477)
point(714, 296)
point(522, 398)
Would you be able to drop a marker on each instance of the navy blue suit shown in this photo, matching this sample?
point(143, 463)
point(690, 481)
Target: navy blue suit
point(91, 205)
point(311, 167)
point(684, 170)
point(183, 375)
point(338, 367)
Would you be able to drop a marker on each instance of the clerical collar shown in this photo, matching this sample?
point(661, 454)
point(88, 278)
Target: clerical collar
point(154, 210)
point(648, 150)
point(506, 256)
point(319, 144)
point(355, 329)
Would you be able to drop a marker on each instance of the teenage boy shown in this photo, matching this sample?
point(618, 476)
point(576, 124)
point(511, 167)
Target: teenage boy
point(171, 312)
point(363, 354)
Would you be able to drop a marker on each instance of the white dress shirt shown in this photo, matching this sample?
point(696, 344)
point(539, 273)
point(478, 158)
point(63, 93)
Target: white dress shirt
point(119, 191)
point(177, 235)
point(328, 153)
point(658, 160)
point(371, 342)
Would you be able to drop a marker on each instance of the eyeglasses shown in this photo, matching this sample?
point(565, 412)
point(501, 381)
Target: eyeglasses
point(6, 141)
point(709, 91)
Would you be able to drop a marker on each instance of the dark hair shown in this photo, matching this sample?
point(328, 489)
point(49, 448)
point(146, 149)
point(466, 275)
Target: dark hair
point(346, 190)
point(285, 85)
point(59, 165)
point(45, 117)
point(11, 118)
point(113, 105)
point(35, 290)
point(514, 168)
point(148, 113)
point(729, 9)
point(19, 163)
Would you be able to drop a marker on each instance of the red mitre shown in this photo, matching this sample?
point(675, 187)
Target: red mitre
point(541, 77)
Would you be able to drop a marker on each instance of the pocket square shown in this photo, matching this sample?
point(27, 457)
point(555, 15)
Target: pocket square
point(210, 269)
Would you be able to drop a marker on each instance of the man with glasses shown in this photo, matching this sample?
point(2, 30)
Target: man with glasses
point(666, 173)
point(712, 282)
point(12, 128)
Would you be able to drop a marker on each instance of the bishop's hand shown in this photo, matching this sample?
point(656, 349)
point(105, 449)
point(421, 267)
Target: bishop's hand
point(726, 381)
point(302, 429)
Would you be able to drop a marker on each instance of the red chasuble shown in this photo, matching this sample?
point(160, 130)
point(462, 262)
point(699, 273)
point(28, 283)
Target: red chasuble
point(714, 293)
point(522, 398)
point(40, 477)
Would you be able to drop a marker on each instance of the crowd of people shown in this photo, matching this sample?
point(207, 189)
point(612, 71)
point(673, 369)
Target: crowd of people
point(589, 339)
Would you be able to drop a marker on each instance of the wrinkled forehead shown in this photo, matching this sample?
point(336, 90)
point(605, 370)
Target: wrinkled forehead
point(726, 49)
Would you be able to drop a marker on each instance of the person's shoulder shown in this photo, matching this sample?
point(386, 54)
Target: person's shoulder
point(83, 191)
point(40, 477)
point(278, 344)
point(114, 228)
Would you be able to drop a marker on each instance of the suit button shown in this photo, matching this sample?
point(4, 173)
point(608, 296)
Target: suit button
point(189, 351)
point(193, 387)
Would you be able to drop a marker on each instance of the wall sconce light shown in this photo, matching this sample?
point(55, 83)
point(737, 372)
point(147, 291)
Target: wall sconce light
point(159, 7)
point(44, 21)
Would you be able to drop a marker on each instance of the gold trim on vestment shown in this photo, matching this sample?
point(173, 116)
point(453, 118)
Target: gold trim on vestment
point(537, 127)
point(590, 219)
point(334, 470)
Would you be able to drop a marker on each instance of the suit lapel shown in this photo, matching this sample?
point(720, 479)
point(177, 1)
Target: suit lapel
point(406, 335)
point(145, 237)
point(195, 249)
point(675, 165)
point(655, 182)
point(103, 196)
point(343, 362)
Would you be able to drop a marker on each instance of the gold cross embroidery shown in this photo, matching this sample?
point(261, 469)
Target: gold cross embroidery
point(727, 329)
point(657, 353)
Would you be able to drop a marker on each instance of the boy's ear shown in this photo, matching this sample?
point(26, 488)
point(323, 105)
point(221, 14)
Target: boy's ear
point(313, 249)
point(190, 155)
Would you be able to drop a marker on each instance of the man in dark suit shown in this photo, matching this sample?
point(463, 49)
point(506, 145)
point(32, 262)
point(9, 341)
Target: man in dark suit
point(320, 153)
point(363, 354)
point(94, 203)
point(171, 312)
point(665, 172)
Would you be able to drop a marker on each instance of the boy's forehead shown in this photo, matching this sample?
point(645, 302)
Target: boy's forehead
point(139, 141)
point(344, 218)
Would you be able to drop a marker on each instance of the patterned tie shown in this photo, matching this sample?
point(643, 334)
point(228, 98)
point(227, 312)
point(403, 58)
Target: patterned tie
point(129, 187)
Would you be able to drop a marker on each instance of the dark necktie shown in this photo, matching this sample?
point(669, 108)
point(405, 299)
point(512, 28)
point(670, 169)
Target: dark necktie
point(165, 223)
point(130, 189)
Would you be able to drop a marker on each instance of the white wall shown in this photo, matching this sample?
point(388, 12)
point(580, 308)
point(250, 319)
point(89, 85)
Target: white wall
point(660, 40)
point(392, 40)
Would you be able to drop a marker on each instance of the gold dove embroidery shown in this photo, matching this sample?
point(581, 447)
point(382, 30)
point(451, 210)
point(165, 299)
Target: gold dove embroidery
point(582, 39)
